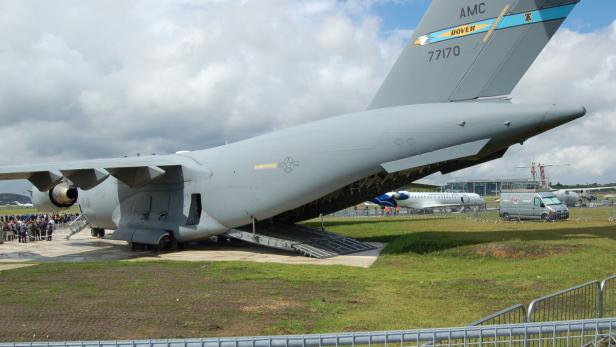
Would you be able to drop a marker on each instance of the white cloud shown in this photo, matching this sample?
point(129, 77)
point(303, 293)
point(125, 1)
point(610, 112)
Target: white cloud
point(99, 78)
point(127, 77)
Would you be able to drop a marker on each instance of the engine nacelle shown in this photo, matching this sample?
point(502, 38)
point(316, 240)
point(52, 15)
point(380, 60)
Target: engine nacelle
point(60, 196)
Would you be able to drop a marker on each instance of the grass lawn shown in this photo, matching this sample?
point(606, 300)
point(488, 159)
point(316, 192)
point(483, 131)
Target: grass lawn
point(19, 210)
point(436, 271)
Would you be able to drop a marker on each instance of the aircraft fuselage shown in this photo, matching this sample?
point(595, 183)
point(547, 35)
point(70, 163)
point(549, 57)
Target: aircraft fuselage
point(269, 174)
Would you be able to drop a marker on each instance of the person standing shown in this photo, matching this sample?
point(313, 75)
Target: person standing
point(49, 230)
point(32, 230)
point(23, 231)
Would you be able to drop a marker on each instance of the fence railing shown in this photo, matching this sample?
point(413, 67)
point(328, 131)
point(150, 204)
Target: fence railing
point(512, 315)
point(376, 212)
point(608, 297)
point(596, 333)
point(579, 302)
point(586, 301)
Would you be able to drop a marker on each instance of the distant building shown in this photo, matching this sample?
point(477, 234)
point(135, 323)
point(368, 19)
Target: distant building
point(486, 187)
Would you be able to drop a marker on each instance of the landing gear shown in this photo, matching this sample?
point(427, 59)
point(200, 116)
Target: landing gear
point(97, 232)
point(165, 244)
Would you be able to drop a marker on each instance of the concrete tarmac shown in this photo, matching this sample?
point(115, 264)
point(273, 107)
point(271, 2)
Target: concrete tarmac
point(83, 247)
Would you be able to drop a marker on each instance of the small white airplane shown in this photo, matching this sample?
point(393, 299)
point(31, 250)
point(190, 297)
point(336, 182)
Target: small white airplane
point(422, 201)
point(573, 197)
point(17, 203)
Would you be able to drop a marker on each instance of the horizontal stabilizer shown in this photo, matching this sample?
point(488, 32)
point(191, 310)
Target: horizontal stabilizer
point(450, 153)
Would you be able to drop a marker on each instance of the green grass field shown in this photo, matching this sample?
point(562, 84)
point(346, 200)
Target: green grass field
point(17, 210)
point(436, 271)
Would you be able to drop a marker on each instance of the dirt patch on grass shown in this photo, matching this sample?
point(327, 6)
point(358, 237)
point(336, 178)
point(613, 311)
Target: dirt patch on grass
point(55, 302)
point(272, 306)
point(518, 250)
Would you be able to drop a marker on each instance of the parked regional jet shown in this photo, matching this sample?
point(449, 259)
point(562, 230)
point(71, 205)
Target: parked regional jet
point(17, 203)
point(437, 110)
point(571, 197)
point(422, 201)
point(578, 196)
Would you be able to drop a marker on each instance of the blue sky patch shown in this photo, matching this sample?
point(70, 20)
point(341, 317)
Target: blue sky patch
point(588, 15)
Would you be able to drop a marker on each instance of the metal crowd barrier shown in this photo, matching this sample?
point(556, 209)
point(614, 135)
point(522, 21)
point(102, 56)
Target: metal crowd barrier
point(608, 297)
point(587, 301)
point(579, 302)
point(511, 315)
point(596, 333)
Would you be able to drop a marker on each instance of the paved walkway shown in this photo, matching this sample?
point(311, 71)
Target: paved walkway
point(83, 247)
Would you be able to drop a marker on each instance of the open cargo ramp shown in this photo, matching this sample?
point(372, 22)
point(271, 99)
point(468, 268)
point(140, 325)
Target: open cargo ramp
point(307, 241)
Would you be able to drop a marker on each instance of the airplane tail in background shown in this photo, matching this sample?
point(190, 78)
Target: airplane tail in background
point(468, 49)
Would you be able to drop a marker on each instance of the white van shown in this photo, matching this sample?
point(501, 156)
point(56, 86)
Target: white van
point(532, 205)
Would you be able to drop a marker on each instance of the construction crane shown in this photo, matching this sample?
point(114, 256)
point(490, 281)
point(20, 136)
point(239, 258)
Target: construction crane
point(544, 182)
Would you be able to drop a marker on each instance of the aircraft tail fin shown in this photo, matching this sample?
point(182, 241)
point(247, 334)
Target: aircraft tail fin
point(468, 49)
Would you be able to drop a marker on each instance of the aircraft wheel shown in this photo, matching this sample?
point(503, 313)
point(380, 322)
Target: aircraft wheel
point(164, 244)
point(97, 232)
point(506, 216)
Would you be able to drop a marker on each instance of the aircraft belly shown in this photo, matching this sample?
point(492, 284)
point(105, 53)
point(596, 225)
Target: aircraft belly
point(266, 193)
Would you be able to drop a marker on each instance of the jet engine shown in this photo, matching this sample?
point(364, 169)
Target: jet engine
point(60, 196)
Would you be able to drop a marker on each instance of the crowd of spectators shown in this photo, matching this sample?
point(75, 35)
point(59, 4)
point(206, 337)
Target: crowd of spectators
point(32, 227)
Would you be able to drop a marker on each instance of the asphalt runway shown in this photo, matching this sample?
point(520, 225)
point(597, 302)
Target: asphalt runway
point(83, 247)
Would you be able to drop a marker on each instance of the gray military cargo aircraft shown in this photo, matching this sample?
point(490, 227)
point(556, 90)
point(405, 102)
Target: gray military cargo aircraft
point(441, 108)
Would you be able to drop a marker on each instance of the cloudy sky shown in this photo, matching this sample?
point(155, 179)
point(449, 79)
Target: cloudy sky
point(90, 79)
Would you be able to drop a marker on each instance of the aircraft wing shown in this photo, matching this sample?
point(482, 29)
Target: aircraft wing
point(86, 174)
point(441, 205)
point(583, 190)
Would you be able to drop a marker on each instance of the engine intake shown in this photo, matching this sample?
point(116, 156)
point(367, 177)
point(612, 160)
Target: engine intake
point(63, 195)
point(60, 196)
